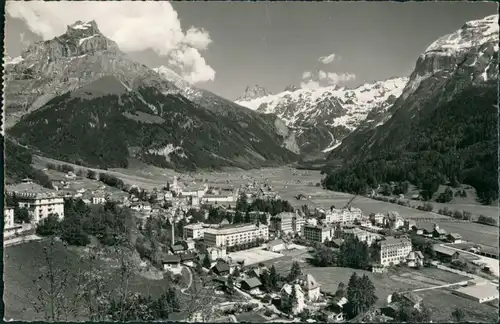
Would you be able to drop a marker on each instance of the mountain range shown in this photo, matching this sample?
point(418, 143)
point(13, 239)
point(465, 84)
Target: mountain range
point(78, 98)
point(322, 117)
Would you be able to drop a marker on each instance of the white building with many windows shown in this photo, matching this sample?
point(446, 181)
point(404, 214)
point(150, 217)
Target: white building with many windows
point(316, 233)
point(231, 235)
point(194, 231)
point(344, 216)
point(361, 235)
point(394, 250)
point(40, 202)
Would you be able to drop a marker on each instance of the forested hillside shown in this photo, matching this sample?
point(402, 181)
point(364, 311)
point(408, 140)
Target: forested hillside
point(454, 142)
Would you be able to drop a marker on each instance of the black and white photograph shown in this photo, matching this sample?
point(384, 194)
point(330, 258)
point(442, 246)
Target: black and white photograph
point(251, 161)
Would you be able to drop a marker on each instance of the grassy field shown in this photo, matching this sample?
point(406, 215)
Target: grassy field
point(443, 302)
point(23, 263)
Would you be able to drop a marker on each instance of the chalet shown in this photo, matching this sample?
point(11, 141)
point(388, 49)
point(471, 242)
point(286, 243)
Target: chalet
point(454, 238)
point(337, 311)
point(171, 263)
point(310, 287)
point(286, 293)
point(188, 245)
point(415, 259)
point(220, 269)
point(445, 254)
point(409, 225)
point(438, 232)
point(257, 272)
point(393, 220)
point(177, 248)
point(251, 285)
point(188, 259)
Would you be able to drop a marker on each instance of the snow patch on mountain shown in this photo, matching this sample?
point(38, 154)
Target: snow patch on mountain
point(80, 41)
point(13, 61)
point(80, 25)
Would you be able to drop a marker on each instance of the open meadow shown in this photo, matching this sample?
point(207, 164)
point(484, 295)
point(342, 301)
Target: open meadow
point(25, 262)
point(442, 302)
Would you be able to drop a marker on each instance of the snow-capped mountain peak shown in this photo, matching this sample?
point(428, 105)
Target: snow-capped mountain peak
point(253, 92)
point(474, 33)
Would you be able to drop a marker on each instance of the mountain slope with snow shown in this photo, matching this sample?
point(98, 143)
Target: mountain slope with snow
point(336, 111)
point(442, 130)
point(465, 58)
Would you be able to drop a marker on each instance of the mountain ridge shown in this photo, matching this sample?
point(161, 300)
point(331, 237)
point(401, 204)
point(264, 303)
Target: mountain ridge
point(322, 117)
point(82, 67)
point(441, 130)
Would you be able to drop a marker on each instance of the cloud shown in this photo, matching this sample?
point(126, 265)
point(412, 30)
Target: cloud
point(322, 75)
point(306, 75)
point(335, 78)
point(134, 26)
point(328, 59)
point(192, 58)
point(310, 84)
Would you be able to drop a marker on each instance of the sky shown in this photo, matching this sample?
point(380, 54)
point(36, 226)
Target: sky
point(226, 46)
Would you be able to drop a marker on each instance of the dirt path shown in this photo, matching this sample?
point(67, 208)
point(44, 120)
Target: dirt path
point(20, 240)
point(183, 290)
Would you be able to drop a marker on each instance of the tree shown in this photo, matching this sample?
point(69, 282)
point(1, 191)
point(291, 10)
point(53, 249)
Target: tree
point(242, 203)
point(238, 218)
point(458, 315)
point(409, 314)
point(360, 295)
point(91, 174)
point(354, 254)
point(274, 277)
point(48, 226)
point(446, 196)
point(21, 215)
point(487, 220)
point(295, 271)
point(324, 257)
point(230, 285)
point(206, 262)
point(51, 287)
point(265, 278)
point(248, 218)
point(340, 292)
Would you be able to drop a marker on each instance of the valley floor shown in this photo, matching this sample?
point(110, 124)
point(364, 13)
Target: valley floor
point(289, 182)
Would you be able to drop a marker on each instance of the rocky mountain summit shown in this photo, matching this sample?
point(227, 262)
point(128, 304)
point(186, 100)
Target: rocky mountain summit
point(253, 92)
point(151, 114)
point(50, 68)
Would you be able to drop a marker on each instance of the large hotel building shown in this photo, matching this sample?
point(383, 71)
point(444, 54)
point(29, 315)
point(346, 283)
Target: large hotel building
point(231, 235)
